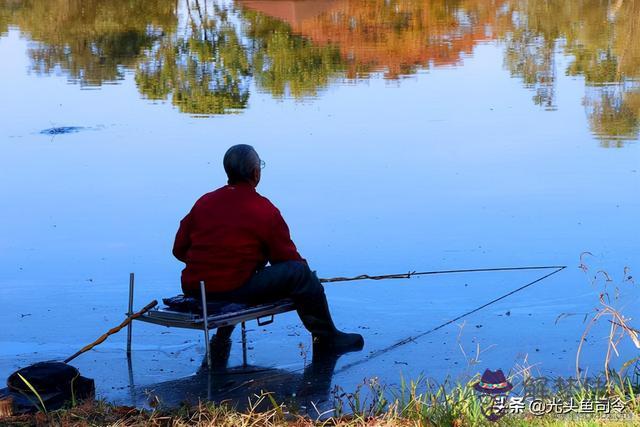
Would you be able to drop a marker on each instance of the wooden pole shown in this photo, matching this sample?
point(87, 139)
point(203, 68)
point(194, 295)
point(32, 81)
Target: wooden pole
point(112, 331)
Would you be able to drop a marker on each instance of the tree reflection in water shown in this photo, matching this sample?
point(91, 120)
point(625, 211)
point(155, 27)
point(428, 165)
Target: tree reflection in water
point(203, 55)
point(91, 41)
point(601, 38)
point(205, 68)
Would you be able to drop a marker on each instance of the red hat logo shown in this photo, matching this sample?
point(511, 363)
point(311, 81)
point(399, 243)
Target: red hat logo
point(492, 389)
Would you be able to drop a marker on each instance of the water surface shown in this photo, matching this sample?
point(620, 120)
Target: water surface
point(398, 136)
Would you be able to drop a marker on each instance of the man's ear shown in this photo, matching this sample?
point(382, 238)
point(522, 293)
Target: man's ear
point(256, 176)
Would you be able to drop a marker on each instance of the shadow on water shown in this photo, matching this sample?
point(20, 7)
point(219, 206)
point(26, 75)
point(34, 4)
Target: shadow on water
point(307, 389)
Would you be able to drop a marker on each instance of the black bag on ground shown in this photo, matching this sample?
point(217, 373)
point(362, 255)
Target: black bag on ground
point(55, 382)
point(44, 377)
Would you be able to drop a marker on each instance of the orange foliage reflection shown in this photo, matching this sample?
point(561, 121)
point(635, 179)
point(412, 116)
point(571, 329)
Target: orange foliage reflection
point(394, 36)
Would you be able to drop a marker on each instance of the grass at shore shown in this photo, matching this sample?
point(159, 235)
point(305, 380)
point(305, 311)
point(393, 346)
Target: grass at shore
point(612, 399)
point(412, 404)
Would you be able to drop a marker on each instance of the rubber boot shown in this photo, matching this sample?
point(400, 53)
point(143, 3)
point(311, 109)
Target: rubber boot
point(220, 348)
point(316, 318)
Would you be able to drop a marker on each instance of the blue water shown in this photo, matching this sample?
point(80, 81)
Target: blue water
point(449, 166)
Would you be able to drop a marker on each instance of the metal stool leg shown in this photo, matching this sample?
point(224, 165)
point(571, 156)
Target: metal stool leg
point(132, 390)
point(244, 344)
point(129, 313)
point(206, 324)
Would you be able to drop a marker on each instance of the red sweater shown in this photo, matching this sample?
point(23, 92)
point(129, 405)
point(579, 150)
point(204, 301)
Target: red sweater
point(227, 236)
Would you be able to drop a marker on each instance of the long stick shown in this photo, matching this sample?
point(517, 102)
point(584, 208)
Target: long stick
point(410, 274)
point(112, 331)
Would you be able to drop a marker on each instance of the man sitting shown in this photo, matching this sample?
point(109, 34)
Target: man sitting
point(230, 235)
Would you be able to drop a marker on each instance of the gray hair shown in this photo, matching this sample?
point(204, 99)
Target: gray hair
point(240, 163)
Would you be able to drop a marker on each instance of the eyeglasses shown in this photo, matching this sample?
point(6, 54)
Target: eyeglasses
point(262, 164)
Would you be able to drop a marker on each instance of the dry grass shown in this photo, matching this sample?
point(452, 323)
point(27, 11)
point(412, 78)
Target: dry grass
point(414, 403)
point(609, 309)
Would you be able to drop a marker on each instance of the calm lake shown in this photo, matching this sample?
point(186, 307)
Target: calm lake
point(397, 135)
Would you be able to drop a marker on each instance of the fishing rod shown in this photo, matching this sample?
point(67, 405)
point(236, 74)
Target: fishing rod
point(412, 338)
point(410, 274)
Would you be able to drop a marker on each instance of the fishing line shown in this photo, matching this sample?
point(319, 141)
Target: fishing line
point(412, 338)
point(409, 339)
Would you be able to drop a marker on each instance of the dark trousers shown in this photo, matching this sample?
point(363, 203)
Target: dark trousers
point(290, 279)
